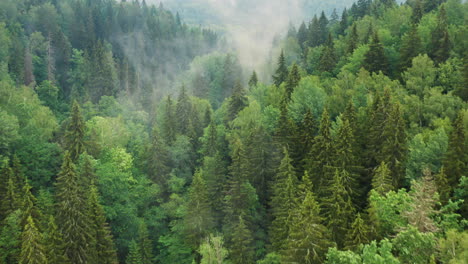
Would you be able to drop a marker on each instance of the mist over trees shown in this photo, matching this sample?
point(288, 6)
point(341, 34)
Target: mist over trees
point(130, 136)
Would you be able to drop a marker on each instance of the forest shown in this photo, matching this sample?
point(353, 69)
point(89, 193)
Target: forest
point(130, 136)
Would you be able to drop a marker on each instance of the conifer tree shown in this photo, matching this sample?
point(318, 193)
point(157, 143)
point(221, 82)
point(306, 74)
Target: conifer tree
point(53, 242)
point(375, 59)
point(343, 22)
point(71, 214)
point(134, 255)
point(145, 244)
point(283, 200)
point(302, 36)
point(9, 198)
point(308, 130)
point(199, 220)
point(242, 250)
point(158, 161)
point(104, 250)
point(339, 210)
point(410, 48)
point(168, 128)
point(314, 32)
point(328, 56)
point(10, 238)
point(74, 136)
point(28, 206)
point(32, 248)
point(292, 81)
point(237, 101)
point(455, 160)
point(281, 73)
point(308, 240)
point(440, 42)
point(253, 81)
point(382, 181)
point(87, 177)
point(323, 30)
point(417, 12)
point(353, 39)
point(357, 235)
point(182, 114)
point(442, 186)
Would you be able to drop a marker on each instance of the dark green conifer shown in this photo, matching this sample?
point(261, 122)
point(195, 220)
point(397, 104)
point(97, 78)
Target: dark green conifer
point(328, 56)
point(375, 59)
point(9, 198)
point(314, 32)
point(292, 81)
point(353, 40)
point(237, 101)
point(440, 42)
point(134, 255)
point(382, 182)
point(145, 244)
point(158, 161)
point(343, 22)
point(242, 249)
point(417, 12)
point(74, 136)
point(358, 234)
point(168, 128)
point(32, 246)
point(183, 112)
point(302, 35)
point(410, 48)
point(281, 73)
point(455, 160)
point(442, 186)
point(323, 28)
point(53, 242)
point(253, 81)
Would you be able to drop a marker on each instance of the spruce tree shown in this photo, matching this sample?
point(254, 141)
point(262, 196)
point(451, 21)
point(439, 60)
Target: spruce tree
point(382, 182)
point(328, 56)
point(314, 32)
point(417, 12)
point(74, 136)
point(72, 214)
point(307, 131)
point(32, 246)
point(375, 59)
point(343, 22)
point(134, 255)
point(182, 113)
point(353, 40)
point(199, 220)
point(302, 36)
point(442, 186)
point(87, 177)
point(9, 197)
point(292, 81)
point(104, 251)
point(410, 48)
point(158, 165)
point(237, 101)
point(323, 28)
point(440, 42)
point(168, 128)
point(455, 160)
point(358, 234)
point(53, 242)
point(242, 250)
point(145, 244)
point(281, 73)
point(28, 207)
point(253, 81)
point(283, 200)
point(308, 239)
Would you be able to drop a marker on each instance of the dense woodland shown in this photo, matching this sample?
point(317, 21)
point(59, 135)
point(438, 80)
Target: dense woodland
point(128, 136)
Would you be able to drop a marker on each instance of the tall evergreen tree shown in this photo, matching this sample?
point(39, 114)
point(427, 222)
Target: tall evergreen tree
point(440, 42)
point(314, 32)
point(237, 101)
point(158, 165)
point(353, 39)
point(53, 242)
point(253, 81)
point(308, 239)
point(10, 198)
point(292, 81)
point(145, 244)
point(283, 200)
point(375, 59)
point(242, 250)
point(343, 22)
point(323, 28)
point(328, 57)
point(308, 130)
point(410, 48)
point(182, 114)
point(382, 182)
point(32, 246)
point(71, 214)
point(134, 255)
point(74, 136)
point(302, 36)
point(358, 234)
point(442, 186)
point(417, 11)
point(168, 128)
point(103, 247)
point(281, 73)
point(455, 160)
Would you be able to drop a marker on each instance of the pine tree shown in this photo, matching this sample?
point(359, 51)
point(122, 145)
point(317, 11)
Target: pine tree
point(339, 211)
point(54, 246)
point(323, 28)
point(182, 114)
point(237, 101)
point(199, 220)
point(134, 255)
point(353, 39)
point(358, 234)
point(284, 199)
point(87, 177)
point(410, 48)
point(9, 198)
point(455, 160)
point(104, 250)
point(308, 130)
point(242, 250)
point(168, 128)
point(10, 238)
point(74, 136)
point(442, 186)
point(32, 248)
point(28, 206)
point(382, 181)
point(328, 57)
point(343, 22)
point(440, 43)
point(375, 59)
point(253, 81)
point(308, 239)
point(281, 73)
point(314, 32)
point(158, 165)
point(71, 213)
point(145, 244)
point(302, 36)
point(292, 81)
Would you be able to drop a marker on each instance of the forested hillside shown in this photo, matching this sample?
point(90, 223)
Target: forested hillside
point(128, 136)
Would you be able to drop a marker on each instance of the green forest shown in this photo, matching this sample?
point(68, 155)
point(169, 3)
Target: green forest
point(130, 136)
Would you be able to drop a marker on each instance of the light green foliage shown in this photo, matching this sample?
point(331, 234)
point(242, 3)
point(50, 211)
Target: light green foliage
point(104, 133)
point(453, 248)
point(270, 258)
point(8, 130)
point(371, 253)
point(413, 246)
point(48, 93)
point(213, 251)
point(421, 76)
point(32, 247)
point(5, 43)
point(308, 95)
point(356, 60)
point(10, 238)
